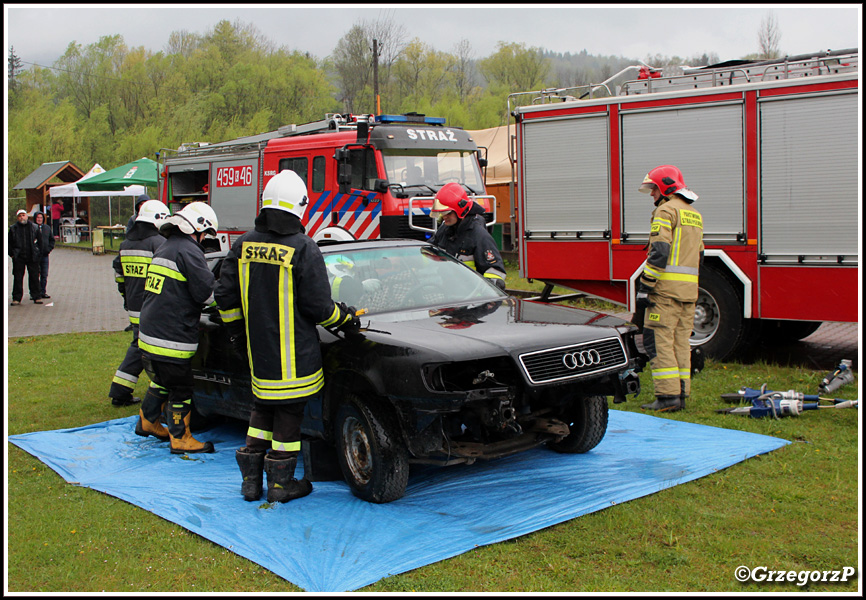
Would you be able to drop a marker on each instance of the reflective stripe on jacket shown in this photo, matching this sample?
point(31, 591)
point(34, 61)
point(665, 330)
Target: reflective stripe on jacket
point(676, 248)
point(131, 265)
point(178, 285)
point(277, 285)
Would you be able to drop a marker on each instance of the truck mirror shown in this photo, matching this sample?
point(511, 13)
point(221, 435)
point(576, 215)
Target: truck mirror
point(380, 185)
point(482, 162)
point(340, 154)
point(344, 177)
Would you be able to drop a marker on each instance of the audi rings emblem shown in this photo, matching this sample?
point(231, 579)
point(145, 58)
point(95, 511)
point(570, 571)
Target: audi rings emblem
point(581, 358)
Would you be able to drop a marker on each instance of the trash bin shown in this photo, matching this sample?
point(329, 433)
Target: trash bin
point(98, 238)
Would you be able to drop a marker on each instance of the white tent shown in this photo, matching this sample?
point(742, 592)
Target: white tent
point(70, 190)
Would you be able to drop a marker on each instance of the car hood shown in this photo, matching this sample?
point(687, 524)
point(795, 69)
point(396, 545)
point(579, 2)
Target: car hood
point(507, 326)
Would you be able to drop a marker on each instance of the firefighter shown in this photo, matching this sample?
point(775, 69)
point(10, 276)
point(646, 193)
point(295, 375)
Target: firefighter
point(273, 290)
point(668, 286)
point(464, 233)
point(178, 285)
point(130, 267)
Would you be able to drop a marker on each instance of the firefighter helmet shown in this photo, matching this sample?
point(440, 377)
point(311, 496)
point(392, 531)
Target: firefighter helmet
point(286, 191)
point(669, 180)
point(452, 196)
point(152, 211)
point(196, 217)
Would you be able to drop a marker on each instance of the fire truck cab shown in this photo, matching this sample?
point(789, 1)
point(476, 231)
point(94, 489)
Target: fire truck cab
point(771, 148)
point(367, 176)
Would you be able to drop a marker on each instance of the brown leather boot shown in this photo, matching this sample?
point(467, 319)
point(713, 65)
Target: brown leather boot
point(148, 417)
point(181, 438)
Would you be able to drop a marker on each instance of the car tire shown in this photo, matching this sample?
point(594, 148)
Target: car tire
point(587, 423)
point(372, 457)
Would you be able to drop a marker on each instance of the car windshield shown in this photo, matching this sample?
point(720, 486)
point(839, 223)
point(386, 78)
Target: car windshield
point(427, 172)
point(403, 278)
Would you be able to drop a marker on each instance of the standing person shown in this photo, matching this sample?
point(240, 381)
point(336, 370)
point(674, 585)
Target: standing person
point(139, 202)
point(25, 252)
point(273, 290)
point(178, 285)
point(56, 215)
point(130, 267)
point(46, 245)
point(464, 233)
point(667, 288)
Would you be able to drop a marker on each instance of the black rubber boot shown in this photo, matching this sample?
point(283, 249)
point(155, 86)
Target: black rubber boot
point(252, 465)
point(664, 404)
point(683, 394)
point(282, 485)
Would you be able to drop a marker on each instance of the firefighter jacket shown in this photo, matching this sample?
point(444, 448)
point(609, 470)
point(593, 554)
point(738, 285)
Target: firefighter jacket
point(276, 284)
point(131, 264)
point(471, 243)
point(676, 250)
point(178, 285)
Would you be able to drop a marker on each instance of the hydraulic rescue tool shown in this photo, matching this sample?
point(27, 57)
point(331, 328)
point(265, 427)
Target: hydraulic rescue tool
point(765, 402)
point(842, 375)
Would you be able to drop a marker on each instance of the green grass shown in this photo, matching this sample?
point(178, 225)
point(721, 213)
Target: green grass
point(793, 509)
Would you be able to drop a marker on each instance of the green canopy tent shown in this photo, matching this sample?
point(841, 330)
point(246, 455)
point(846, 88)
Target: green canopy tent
point(143, 171)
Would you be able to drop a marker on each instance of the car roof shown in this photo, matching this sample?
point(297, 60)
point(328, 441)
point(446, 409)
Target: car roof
point(332, 246)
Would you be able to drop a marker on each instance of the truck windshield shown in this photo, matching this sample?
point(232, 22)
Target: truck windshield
point(427, 171)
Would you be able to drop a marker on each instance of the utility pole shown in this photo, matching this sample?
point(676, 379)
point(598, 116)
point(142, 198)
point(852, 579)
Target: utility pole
point(376, 74)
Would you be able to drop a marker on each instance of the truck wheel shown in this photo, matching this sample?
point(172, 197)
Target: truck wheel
point(587, 422)
point(788, 331)
point(720, 329)
point(372, 457)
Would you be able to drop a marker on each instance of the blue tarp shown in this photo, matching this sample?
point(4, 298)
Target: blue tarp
point(331, 541)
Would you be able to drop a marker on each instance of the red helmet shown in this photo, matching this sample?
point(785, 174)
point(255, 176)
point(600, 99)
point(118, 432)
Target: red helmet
point(452, 196)
point(669, 180)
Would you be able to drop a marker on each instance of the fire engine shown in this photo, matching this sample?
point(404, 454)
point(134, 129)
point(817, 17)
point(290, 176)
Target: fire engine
point(771, 148)
point(368, 176)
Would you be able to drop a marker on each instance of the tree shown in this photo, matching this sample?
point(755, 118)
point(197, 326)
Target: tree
point(353, 61)
point(463, 69)
point(515, 67)
point(769, 36)
point(15, 67)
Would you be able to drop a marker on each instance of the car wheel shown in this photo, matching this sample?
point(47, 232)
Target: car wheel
point(587, 423)
point(373, 459)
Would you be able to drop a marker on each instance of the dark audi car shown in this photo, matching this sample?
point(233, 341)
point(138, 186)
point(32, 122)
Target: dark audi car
point(447, 369)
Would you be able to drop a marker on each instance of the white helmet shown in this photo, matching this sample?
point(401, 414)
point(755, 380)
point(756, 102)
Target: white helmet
point(197, 217)
point(152, 211)
point(286, 191)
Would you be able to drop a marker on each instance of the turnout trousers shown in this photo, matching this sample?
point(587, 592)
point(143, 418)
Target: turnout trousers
point(127, 374)
point(276, 427)
point(667, 328)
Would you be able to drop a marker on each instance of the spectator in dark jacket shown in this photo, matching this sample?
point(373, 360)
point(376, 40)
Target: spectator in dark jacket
point(46, 244)
point(25, 253)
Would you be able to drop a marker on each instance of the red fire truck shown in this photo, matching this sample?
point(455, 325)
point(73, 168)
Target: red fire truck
point(368, 176)
point(771, 148)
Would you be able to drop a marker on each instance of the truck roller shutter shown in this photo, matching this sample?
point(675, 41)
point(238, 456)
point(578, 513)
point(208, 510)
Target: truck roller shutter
point(566, 185)
point(706, 143)
point(808, 153)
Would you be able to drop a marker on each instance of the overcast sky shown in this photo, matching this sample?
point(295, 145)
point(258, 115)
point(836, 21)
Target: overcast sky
point(40, 33)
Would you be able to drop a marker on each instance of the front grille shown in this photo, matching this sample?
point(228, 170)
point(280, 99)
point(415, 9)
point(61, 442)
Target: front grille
point(546, 366)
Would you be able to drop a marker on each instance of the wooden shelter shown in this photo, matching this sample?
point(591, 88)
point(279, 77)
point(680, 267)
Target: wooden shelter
point(36, 186)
